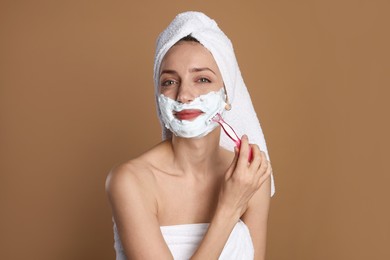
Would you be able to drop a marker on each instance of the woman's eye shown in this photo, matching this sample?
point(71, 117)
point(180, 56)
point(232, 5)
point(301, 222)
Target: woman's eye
point(168, 83)
point(204, 80)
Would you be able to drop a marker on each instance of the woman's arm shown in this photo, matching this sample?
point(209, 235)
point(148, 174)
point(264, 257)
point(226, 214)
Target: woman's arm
point(134, 209)
point(242, 181)
point(256, 218)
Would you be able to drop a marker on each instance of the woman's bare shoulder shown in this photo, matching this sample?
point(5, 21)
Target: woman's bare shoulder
point(132, 172)
point(137, 173)
point(130, 186)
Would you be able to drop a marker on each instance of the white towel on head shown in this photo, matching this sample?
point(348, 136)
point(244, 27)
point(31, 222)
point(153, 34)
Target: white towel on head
point(242, 117)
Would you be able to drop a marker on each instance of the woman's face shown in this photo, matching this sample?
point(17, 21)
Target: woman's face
point(191, 90)
point(187, 71)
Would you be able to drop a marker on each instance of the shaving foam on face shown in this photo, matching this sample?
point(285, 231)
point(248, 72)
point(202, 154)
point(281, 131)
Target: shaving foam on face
point(210, 104)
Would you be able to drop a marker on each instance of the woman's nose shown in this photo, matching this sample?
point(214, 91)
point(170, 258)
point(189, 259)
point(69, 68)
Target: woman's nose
point(185, 93)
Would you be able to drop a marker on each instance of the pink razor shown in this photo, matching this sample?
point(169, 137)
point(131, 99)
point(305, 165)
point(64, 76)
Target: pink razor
point(229, 131)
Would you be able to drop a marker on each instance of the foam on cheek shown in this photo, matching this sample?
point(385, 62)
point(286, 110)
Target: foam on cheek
point(209, 104)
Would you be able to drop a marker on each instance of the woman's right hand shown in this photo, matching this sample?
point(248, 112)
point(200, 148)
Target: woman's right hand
point(243, 178)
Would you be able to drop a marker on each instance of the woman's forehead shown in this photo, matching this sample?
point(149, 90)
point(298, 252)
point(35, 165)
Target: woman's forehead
point(188, 53)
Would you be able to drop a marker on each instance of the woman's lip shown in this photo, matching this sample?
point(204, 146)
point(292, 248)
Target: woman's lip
point(188, 114)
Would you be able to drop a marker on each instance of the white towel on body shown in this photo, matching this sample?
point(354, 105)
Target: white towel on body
point(183, 240)
point(242, 117)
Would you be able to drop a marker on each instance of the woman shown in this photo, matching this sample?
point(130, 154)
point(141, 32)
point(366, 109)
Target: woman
point(191, 196)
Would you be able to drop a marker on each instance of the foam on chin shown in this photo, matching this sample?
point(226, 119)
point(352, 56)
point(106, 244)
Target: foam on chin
point(210, 104)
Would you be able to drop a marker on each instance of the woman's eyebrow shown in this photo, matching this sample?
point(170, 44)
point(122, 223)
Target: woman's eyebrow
point(201, 69)
point(168, 72)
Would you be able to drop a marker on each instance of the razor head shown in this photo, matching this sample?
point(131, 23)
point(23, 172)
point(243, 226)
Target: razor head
point(217, 118)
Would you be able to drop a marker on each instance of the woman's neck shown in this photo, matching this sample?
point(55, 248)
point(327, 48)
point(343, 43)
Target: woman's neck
point(197, 156)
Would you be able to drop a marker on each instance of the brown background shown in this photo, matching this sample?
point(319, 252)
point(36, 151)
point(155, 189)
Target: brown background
point(76, 98)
